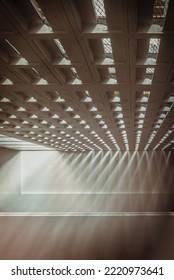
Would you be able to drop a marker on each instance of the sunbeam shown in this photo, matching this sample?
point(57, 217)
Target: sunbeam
point(90, 205)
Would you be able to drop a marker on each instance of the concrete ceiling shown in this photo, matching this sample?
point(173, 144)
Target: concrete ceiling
point(88, 75)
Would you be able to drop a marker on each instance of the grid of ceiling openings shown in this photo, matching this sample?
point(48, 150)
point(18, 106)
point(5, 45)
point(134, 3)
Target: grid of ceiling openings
point(88, 75)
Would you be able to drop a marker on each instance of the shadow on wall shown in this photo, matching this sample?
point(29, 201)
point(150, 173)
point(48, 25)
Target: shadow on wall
point(10, 171)
point(6, 155)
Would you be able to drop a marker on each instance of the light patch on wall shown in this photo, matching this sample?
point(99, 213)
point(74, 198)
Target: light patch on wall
point(94, 183)
point(93, 172)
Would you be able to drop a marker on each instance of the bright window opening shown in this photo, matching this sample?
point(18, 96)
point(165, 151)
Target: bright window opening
point(10, 44)
point(107, 45)
point(61, 49)
point(150, 71)
point(73, 70)
point(40, 12)
point(99, 11)
point(112, 72)
point(154, 44)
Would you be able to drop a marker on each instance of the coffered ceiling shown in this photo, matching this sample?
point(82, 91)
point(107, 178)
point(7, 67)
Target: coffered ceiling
point(82, 75)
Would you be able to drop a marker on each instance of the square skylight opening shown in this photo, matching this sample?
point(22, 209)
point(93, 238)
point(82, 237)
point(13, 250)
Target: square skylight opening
point(99, 9)
point(150, 70)
point(107, 47)
point(112, 70)
point(154, 45)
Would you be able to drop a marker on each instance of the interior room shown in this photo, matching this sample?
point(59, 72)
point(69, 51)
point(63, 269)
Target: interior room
point(86, 129)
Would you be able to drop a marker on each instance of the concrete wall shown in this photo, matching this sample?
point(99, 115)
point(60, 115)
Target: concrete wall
point(93, 182)
point(96, 172)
